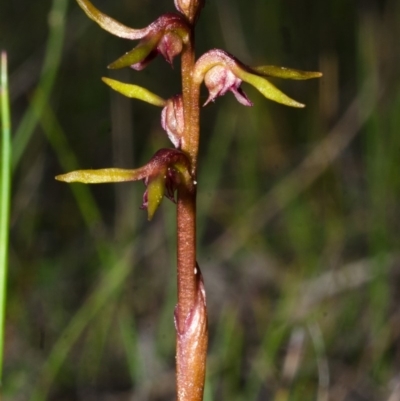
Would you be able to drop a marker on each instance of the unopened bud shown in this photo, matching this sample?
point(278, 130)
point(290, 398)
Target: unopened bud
point(172, 120)
point(190, 8)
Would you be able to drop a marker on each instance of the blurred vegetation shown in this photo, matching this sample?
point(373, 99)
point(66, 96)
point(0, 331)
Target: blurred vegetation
point(299, 212)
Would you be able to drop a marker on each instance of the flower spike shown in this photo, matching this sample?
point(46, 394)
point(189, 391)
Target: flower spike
point(222, 72)
point(162, 175)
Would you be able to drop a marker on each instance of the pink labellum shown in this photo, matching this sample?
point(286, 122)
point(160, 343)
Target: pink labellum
point(219, 80)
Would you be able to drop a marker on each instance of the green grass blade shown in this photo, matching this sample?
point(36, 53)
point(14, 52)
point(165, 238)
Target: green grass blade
point(46, 83)
point(5, 189)
point(58, 140)
point(108, 287)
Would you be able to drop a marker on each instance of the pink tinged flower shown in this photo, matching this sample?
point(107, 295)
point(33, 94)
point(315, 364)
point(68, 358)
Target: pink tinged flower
point(172, 120)
point(170, 46)
point(167, 41)
point(221, 72)
point(220, 80)
point(162, 175)
point(166, 35)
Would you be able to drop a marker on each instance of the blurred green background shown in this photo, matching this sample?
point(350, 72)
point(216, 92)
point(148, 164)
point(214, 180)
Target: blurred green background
point(299, 218)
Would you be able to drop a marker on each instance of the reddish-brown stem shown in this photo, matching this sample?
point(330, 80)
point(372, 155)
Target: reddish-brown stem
point(190, 105)
point(186, 253)
point(191, 314)
point(186, 204)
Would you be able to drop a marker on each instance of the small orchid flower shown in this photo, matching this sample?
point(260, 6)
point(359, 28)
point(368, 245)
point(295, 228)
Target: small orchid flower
point(220, 80)
point(167, 36)
point(167, 169)
point(222, 72)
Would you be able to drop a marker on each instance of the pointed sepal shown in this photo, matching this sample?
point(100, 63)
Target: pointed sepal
point(135, 92)
point(101, 176)
point(155, 194)
point(267, 89)
point(140, 56)
point(285, 73)
point(110, 24)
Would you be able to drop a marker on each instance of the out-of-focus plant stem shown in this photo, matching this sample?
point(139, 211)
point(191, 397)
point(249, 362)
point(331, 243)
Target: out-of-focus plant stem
point(5, 190)
point(51, 64)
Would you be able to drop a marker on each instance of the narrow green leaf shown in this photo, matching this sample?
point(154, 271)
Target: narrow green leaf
point(48, 75)
point(286, 73)
point(135, 92)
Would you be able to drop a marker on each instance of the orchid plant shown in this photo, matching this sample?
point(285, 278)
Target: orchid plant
point(172, 172)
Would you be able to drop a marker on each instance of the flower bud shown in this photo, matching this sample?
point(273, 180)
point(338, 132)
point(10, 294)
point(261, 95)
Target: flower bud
point(190, 8)
point(172, 120)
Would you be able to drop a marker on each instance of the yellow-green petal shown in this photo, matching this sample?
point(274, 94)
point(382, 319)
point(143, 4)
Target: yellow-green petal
point(110, 24)
point(138, 54)
point(155, 194)
point(267, 89)
point(135, 92)
point(286, 73)
point(99, 176)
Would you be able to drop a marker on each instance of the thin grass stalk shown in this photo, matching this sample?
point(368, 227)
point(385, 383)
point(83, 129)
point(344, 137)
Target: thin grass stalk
point(45, 86)
point(5, 195)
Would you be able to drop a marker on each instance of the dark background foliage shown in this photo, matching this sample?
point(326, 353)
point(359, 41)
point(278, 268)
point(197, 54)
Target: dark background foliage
point(298, 209)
